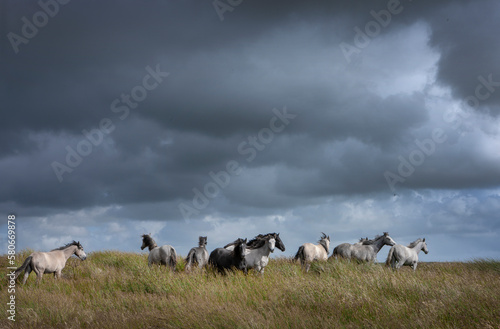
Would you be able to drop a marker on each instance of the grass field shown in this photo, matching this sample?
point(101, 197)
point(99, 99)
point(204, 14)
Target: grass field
point(117, 290)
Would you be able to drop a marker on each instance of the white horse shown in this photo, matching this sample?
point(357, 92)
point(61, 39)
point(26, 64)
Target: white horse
point(50, 262)
point(164, 255)
point(400, 255)
point(257, 252)
point(309, 252)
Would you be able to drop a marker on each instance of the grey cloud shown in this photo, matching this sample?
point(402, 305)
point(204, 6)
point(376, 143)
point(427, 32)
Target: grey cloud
point(353, 119)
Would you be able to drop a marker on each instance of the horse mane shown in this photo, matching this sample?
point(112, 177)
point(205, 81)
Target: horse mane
point(73, 243)
point(202, 240)
point(234, 243)
point(323, 244)
point(376, 238)
point(146, 238)
point(255, 243)
point(414, 243)
point(258, 242)
point(322, 241)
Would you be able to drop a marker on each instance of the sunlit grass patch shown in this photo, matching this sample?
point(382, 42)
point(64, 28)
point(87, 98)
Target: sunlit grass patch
point(114, 289)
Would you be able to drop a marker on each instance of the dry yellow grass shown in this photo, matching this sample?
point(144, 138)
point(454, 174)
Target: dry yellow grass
point(118, 290)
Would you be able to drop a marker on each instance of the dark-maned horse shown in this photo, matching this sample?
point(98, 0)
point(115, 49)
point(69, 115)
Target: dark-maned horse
point(223, 259)
point(164, 255)
point(198, 255)
point(258, 250)
point(309, 252)
point(250, 244)
point(50, 262)
point(279, 244)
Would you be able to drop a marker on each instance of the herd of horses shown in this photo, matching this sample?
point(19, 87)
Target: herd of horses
point(240, 254)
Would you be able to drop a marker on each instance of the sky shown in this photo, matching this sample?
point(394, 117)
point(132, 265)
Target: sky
point(232, 118)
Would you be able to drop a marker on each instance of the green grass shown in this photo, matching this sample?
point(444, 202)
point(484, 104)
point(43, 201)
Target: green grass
point(118, 290)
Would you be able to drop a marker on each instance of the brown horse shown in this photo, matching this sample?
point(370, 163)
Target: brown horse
point(50, 262)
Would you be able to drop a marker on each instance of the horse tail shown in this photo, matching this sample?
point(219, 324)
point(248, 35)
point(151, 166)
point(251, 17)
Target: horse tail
point(23, 267)
point(335, 252)
point(172, 259)
point(189, 258)
point(389, 257)
point(299, 254)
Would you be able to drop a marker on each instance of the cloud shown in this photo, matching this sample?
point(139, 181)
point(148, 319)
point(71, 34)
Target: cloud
point(353, 121)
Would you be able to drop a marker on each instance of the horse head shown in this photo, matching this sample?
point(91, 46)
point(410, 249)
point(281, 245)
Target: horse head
point(202, 242)
point(279, 244)
point(325, 242)
point(388, 240)
point(424, 247)
point(79, 251)
point(147, 241)
point(239, 253)
point(271, 243)
point(241, 248)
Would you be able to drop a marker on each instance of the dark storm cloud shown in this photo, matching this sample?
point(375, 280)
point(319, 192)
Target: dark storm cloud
point(352, 120)
point(464, 35)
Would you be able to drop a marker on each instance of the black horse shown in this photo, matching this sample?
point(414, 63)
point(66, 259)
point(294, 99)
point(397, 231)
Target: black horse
point(223, 259)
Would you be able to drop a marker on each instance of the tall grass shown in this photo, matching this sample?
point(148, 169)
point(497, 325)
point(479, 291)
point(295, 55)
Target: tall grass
point(113, 289)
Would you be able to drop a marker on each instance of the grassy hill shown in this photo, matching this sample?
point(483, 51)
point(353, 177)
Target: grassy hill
point(117, 290)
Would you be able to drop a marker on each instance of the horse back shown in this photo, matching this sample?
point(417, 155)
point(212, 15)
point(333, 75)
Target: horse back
point(312, 252)
point(198, 255)
point(50, 262)
point(343, 250)
point(403, 253)
point(365, 253)
point(222, 259)
point(166, 252)
point(219, 254)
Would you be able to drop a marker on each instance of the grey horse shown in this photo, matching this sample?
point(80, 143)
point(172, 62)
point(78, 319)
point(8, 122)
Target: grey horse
point(50, 262)
point(400, 255)
point(164, 255)
point(198, 255)
point(343, 250)
point(309, 252)
point(366, 251)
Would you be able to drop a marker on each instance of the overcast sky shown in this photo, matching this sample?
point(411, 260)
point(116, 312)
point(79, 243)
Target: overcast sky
point(233, 118)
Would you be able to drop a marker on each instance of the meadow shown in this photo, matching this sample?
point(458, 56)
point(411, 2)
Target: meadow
point(118, 290)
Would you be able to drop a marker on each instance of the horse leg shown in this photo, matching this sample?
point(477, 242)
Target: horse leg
point(308, 265)
point(57, 274)
point(399, 264)
point(393, 262)
point(39, 274)
point(414, 265)
point(26, 274)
